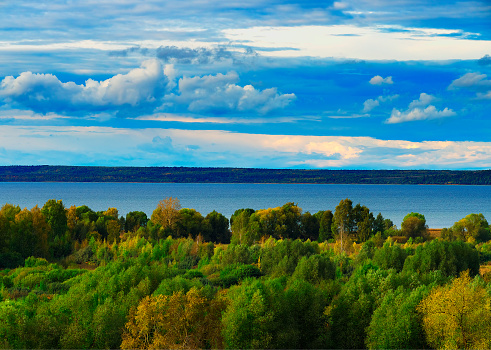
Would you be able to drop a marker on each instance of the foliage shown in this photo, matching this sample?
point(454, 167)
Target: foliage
point(450, 258)
point(457, 315)
point(414, 225)
point(179, 321)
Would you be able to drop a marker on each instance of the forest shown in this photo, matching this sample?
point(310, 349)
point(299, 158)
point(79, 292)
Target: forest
point(46, 173)
point(274, 278)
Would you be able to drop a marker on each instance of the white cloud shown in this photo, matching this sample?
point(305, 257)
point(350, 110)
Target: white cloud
point(429, 112)
point(370, 104)
point(144, 86)
point(473, 81)
point(419, 109)
point(470, 80)
point(378, 80)
point(45, 92)
point(219, 93)
point(423, 101)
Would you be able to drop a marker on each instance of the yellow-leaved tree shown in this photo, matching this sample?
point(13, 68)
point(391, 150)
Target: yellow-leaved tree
point(458, 315)
point(179, 321)
point(167, 212)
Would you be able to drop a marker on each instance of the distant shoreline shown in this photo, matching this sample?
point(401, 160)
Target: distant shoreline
point(45, 173)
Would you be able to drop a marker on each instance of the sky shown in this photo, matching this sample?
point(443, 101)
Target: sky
point(356, 84)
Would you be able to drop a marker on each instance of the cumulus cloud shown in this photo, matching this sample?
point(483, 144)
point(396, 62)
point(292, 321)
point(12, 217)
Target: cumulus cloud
point(470, 80)
point(423, 101)
point(475, 82)
point(45, 92)
point(220, 93)
point(378, 80)
point(370, 104)
point(419, 109)
point(429, 112)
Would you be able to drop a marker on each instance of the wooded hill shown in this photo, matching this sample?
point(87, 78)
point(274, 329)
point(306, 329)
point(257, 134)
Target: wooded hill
point(46, 173)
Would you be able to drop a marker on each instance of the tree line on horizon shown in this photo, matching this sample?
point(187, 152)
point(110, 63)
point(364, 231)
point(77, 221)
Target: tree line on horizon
point(45, 173)
point(269, 278)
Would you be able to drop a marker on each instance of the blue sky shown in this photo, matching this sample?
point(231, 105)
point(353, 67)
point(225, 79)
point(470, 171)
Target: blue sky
point(379, 84)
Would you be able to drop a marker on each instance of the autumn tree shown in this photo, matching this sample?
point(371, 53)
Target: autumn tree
point(167, 213)
point(457, 315)
point(179, 321)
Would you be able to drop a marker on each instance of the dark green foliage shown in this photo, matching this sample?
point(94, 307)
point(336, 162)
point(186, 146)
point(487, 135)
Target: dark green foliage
point(54, 212)
point(325, 223)
point(315, 268)
point(134, 220)
point(450, 258)
point(217, 228)
point(237, 253)
point(266, 315)
point(309, 227)
point(233, 274)
point(395, 323)
point(390, 256)
point(10, 260)
point(350, 312)
point(282, 258)
point(241, 231)
point(190, 224)
point(190, 274)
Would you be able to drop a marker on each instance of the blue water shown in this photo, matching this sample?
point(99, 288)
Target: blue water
point(441, 205)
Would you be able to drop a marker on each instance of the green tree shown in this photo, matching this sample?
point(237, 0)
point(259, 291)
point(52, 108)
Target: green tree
point(450, 258)
point(55, 214)
point(473, 226)
point(218, 230)
point(325, 223)
point(414, 225)
point(309, 227)
point(396, 323)
point(239, 223)
point(135, 220)
point(190, 223)
point(343, 221)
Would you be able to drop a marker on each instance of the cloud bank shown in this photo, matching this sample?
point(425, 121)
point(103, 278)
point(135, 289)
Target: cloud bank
point(142, 89)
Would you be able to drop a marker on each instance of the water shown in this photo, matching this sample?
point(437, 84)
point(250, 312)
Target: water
point(441, 205)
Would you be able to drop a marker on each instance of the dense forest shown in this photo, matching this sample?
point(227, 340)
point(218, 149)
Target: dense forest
point(46, 173)
point(277, 278)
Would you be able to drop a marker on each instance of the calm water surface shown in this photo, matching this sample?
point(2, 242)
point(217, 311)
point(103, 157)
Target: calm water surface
point(441, 205)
